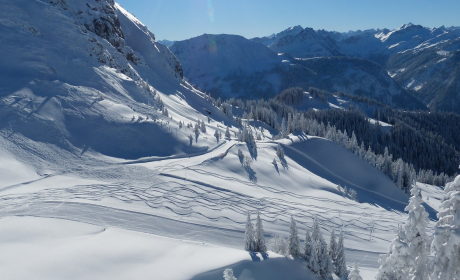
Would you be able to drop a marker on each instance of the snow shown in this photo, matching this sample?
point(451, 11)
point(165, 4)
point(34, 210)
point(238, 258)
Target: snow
point(89, 192)
point(61, 249)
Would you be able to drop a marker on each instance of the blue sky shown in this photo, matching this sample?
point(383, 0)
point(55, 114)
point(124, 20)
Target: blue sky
point(183, 19)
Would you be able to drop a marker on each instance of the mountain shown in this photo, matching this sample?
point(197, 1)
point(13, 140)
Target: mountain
point(307, 43)
point(167, 43)
point(228, 65)
point(268, 40)
point(360, 77)
point(233, 66)
point(409, 54)
point(431, 71)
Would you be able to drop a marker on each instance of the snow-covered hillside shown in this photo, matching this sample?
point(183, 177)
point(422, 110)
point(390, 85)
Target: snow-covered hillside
point(103, 174)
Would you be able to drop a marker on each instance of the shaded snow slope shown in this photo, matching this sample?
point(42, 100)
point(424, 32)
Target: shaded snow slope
point(80, 77)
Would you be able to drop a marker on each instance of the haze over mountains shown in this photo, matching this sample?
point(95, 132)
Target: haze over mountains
point(392, 66)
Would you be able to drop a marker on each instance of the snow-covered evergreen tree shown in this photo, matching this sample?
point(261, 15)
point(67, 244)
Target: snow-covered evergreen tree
point(227, 133)
point(446, 242)
point(216, 134)
point(313, 262)
point(340, 264)
point(240, 154)
point(307, 246)
point(326, 267)
point(333, 247)
point(416, 237)
point(259, 236)
point(354, 273)
point(395, 264)
point(249, 242)
point(203, 127)
point(280, 151)
point(228, 274)
point(293, 241)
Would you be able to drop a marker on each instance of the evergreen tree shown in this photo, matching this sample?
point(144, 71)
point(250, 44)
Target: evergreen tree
point(259, 236)
point(354, 273)
point(313, 263)
point(340, 262)
point(446, 242)
point(294, 242)
point(280, 151)
point(333, 248)
point(326, 267)
point(203, 127)
point(249, 242)
point(307, 246)
point(416, 237)
point(283, 130)
point(395, 264)
point(227, 133)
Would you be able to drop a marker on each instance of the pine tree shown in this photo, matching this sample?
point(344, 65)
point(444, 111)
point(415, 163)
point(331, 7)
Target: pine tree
point(354, 273)
point(283, 129)
point(313, 263)
point(227, 133)
point(333, 247)
point(280, 151)
point(294, 242)
point(446, 242)
point(326, 266)
point(203, 127)
point(216, 134)
point(259, 236)
point(249, 242)
point(307, 246)
point(340, 262)
point(416, 237)
point(395, 264)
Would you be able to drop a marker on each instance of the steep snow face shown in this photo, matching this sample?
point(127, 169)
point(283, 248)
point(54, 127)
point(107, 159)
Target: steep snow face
point(86, 76)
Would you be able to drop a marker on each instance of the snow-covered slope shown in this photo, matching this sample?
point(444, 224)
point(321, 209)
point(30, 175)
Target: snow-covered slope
point(97, 182)
point(81, 72)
